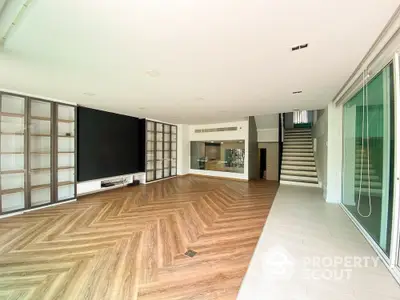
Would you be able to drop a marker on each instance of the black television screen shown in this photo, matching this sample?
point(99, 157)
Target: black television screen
point(109, 144)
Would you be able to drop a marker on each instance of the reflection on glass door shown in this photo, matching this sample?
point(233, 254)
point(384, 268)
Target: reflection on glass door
point(368, 141)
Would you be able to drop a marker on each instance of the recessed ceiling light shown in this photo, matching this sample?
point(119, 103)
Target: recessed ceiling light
point(298, 47)
point(141, 108)
point(89, 94)
point(297, 92)
point(153, 73)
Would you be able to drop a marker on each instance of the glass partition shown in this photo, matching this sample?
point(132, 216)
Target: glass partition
point(368, 153)
point(223, 156)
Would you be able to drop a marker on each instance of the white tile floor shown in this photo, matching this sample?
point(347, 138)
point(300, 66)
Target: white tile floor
point(304, 236)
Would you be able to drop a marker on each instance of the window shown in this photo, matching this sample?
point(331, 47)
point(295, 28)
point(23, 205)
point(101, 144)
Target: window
point(300, 117)
point(223, 156)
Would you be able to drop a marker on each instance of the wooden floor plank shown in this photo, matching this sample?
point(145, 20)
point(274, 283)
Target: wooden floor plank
point(129, 243)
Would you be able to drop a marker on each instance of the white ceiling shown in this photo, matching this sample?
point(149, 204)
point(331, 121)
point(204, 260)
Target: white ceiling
point(186, 61)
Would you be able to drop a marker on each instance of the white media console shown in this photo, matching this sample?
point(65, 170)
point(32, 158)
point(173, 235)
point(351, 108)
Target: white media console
point(93, 186)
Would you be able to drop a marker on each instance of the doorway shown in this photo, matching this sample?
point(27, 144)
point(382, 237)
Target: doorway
point(263, 163)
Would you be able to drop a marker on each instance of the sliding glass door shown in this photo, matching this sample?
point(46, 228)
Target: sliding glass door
point(368, 157)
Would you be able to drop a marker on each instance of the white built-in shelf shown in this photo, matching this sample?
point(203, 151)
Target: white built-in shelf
point(12, 191)
point(40, 169)
point(65, 183)
point(65, 152)
point(40, 186)
point(12, 172)
point(39, 134)
point(47, 185)
point(12, 133)
point(66, 121)
point(12, 152)
point(7, 114)
point(49, 119)
point(40, 118)
point(65, 168)
point(40, 152)
point(66, 136)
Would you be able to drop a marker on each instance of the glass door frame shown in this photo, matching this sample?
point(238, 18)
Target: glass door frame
point(395, 250)
point(392, 261)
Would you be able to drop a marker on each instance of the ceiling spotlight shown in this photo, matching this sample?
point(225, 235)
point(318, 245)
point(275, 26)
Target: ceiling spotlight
point(297, 92)
point(89, 94)
point(141, 108)
point(298, 47)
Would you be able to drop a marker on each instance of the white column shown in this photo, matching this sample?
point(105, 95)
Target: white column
point(349, 158)
point(183, 147)
point(334, 154)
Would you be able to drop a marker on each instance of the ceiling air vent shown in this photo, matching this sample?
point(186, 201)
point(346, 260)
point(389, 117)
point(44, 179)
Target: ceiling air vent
point(298, 47)
point(203, 130)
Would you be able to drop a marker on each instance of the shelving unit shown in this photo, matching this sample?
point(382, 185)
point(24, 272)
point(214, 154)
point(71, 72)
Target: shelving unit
point(36, 168)
point(160, 150)
point(12, 144)
point(66, 156)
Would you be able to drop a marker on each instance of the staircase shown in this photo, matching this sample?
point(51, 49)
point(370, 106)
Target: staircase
point(376, 182)
point(298, 164)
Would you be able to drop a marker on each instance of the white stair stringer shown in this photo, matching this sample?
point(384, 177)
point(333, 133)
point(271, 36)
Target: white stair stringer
point(298, 164)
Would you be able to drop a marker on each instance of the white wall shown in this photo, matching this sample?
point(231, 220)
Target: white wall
point(320, 138)
point(334, 154)
point(267, 128)
point(267, 135)
point(240, 134)
point(183, 145)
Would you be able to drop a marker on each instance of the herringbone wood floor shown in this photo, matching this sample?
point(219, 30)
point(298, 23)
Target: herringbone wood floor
point(129, 243)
